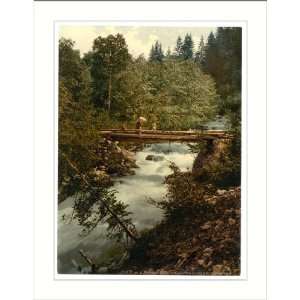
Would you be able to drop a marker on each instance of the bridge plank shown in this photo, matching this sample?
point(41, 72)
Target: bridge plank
point(161, 132)
point(160, 137)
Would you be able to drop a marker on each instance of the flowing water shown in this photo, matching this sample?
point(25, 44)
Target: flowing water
point(134, 190)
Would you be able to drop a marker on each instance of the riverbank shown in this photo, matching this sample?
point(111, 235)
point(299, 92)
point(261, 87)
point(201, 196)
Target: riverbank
point(115, 160)
point(200, 234)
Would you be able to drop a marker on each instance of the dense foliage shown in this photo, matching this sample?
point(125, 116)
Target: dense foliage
point(174, 94)
point(223, 59)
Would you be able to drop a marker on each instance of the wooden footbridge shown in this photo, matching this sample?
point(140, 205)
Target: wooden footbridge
point(159, 136)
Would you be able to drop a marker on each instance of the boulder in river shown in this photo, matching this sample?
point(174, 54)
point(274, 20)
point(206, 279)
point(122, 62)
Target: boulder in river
point(128, 155)
point(154, 157)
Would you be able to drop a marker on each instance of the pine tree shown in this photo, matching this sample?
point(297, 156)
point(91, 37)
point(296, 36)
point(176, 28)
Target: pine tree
point(178, 48)
point(168, 53)
point(200, 54)
point(160, 53)
point(152, 54)
point(223, 59)
point(156, 53)
point(188, 47)
point(210, 64)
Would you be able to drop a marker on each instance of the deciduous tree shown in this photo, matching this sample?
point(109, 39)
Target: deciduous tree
point(110, 57)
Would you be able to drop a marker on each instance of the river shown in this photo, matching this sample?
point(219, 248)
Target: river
point(134, 190)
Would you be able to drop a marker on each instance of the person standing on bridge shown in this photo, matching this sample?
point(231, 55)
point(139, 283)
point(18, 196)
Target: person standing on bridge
point(139, 123)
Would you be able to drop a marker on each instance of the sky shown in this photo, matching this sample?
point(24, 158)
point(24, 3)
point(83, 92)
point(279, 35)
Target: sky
point(139, 39)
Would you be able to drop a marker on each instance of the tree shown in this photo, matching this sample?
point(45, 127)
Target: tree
point(200, 54)
point(110, 57)
point(87, 59)
point(73, 72)
point(178, 49)
point(133, 92)
point(210, 64)
point(156, 53)
point(223, 59)
point(184, 97)
point(188, 47)
point(152, 54)
point(168, 53)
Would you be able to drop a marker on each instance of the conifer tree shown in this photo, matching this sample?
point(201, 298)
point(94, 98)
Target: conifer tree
point(156, 53)
point(188, 47)
point(223, 59)
point(178, 48)
point(210, 64)
point(160, 52)
point(168, 53)
point(200, 54)
point(152, 54)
